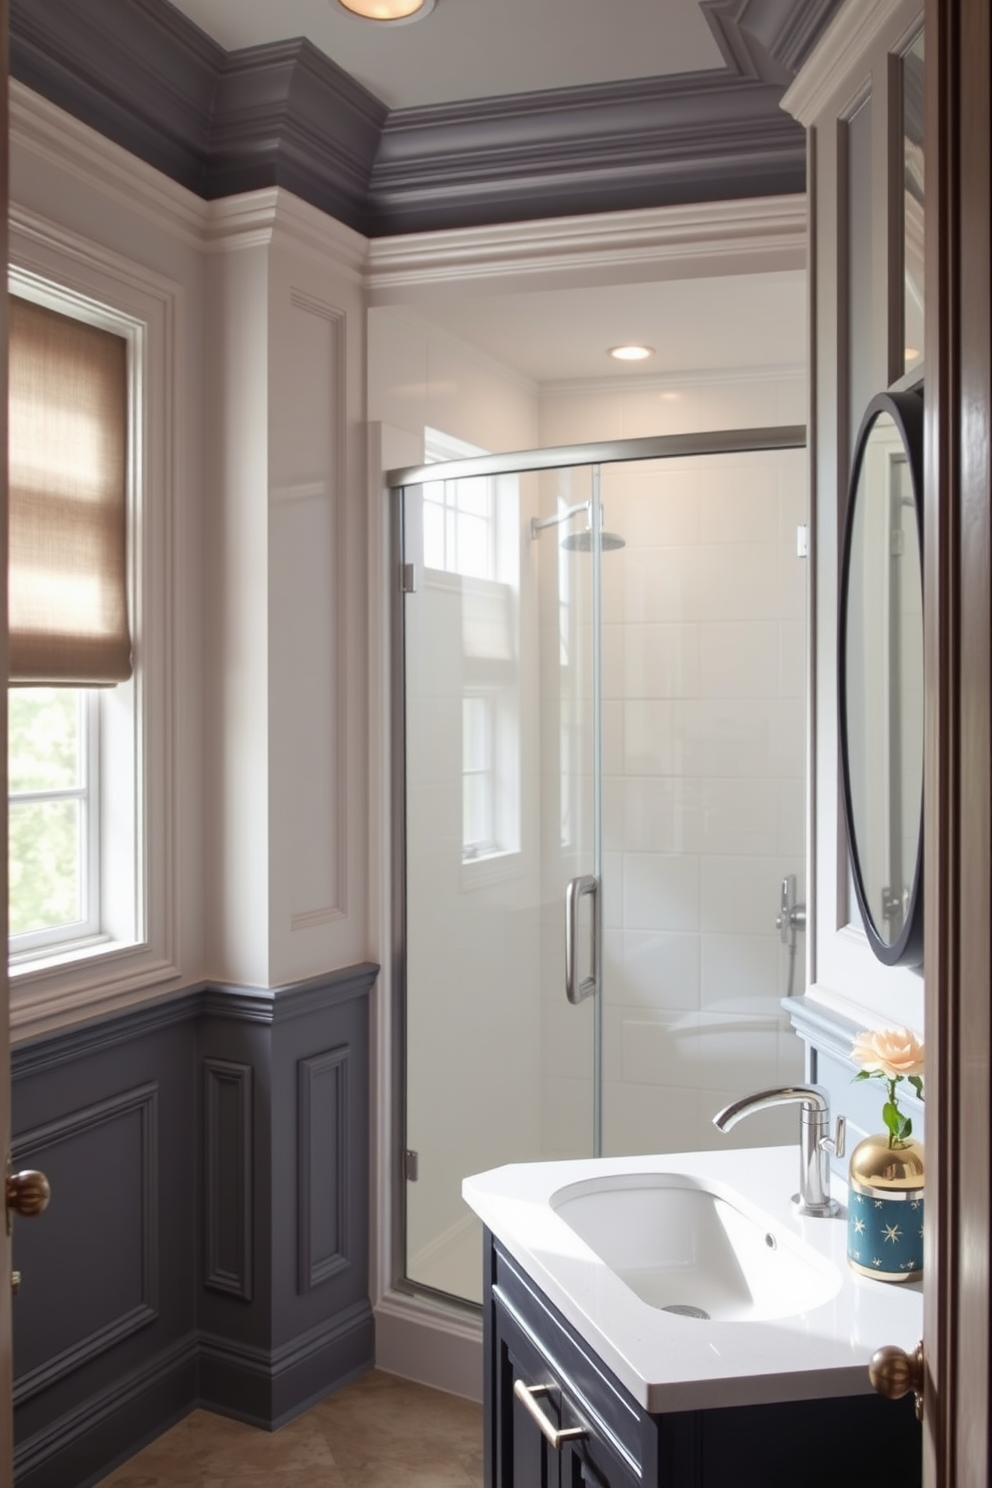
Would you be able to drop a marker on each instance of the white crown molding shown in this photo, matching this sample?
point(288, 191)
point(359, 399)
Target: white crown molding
point(670, 242)
point(674, 381)
point(852, 33)
point(48, 133)
point(258, 217)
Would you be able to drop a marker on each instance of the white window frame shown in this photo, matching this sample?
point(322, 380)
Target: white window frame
point(135, 948)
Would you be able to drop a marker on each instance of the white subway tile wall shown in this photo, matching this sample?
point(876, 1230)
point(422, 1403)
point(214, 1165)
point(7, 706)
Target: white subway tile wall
point(704, 674)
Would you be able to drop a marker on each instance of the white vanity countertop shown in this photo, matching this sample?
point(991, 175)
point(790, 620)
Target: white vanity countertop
point(668, 1362)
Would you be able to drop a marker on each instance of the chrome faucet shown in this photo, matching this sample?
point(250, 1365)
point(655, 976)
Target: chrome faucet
point(816, 1144)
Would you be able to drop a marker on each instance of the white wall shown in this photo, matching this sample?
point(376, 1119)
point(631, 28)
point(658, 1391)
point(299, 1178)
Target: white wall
point(420, 377)
point(286, 631)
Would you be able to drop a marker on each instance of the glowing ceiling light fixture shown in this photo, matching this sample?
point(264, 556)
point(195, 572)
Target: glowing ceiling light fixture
point(397, 12)
point(631, 353)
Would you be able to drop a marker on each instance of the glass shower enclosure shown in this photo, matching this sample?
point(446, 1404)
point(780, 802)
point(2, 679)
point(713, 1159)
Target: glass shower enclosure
point(550, 830)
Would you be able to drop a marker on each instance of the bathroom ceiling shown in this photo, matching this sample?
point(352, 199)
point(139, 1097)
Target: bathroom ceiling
point(695, 325)
point(480, 48)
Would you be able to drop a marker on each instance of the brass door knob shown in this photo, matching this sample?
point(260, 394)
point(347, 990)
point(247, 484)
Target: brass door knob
point(894, 1373)
point(28, 1193)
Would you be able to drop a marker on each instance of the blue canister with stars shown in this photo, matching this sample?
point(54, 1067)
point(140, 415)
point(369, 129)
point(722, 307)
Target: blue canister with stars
point(885, 1209)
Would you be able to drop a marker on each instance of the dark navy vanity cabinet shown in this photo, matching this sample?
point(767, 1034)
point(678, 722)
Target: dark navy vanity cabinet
point(859, 1441)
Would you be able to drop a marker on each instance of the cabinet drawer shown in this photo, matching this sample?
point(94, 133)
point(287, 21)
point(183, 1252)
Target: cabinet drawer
point(541, 1351)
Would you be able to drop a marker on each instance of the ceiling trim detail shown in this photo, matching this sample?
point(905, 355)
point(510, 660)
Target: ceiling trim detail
point(728, 237)
point(844, 44)
point(285, 115)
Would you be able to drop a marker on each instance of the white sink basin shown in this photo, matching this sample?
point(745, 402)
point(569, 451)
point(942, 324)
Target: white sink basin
point(694, 1249)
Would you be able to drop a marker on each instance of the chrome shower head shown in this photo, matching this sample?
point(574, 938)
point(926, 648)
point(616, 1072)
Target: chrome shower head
point(581, 542)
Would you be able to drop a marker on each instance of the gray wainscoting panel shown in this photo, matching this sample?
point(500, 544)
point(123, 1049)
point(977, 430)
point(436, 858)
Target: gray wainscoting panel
point(285, 114)
point(165, 1272)
point(323, 1146)
point(228, 1166)
point(111, 1287)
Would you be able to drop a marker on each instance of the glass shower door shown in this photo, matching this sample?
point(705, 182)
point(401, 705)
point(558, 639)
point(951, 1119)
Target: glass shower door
point(502, 676)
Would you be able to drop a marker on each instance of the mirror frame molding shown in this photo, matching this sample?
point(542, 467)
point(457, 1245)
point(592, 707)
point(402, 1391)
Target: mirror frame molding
point(906, 411)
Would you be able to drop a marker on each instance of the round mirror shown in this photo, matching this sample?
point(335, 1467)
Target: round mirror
point(881, 675)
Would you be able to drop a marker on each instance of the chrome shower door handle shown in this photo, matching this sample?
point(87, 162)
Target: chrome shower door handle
point(575, 990)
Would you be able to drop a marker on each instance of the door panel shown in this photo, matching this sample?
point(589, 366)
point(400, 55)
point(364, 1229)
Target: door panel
point(501, 783)
point(6, 1369)
point(958, 783)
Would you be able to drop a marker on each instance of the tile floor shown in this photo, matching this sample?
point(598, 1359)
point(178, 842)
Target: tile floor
point(378, 1431)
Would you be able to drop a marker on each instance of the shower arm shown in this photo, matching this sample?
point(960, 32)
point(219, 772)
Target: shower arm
point(538, 524)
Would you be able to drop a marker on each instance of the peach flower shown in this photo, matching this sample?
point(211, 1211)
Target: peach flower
point(892, 1052)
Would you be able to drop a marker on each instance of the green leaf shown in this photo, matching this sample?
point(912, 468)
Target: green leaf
point(907, 1129)
point(917, 1083)
point(892, 1118)
point(862, 1075)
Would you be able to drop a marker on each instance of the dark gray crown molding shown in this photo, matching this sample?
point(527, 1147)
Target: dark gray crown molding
point(768, 40)
point(285, 115)
point(613, 147)
point(137, 71)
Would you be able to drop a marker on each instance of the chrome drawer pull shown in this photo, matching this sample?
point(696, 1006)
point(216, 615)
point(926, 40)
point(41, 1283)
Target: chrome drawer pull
point(527, 1395)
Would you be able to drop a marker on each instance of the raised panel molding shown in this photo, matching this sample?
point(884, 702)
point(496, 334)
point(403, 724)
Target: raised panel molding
point(322, 1146)
point(286, 115)
point(228, 1160)
point(32, 1147)
point(140, 1299)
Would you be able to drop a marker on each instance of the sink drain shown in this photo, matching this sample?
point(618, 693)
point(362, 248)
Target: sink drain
point(682, 1309)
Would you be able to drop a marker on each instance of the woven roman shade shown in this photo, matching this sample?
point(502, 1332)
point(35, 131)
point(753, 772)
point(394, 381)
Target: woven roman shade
point(68, 507)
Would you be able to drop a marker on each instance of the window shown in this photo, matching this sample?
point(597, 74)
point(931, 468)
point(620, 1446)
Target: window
point(68, 612)
point(459, 515)
point(53, 816)
point(77, 883)
point(478, 775)
point(118, 774)
point(472, 564)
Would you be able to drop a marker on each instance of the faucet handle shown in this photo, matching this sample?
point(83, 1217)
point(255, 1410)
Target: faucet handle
point(835, 1145)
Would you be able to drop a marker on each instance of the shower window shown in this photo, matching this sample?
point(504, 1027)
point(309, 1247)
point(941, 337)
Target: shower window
point(459, 523)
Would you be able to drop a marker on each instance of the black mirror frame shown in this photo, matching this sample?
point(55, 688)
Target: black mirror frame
point(906, 411)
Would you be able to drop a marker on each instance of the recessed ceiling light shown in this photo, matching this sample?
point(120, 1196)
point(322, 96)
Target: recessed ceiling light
point(396, 11)
point(631, 353)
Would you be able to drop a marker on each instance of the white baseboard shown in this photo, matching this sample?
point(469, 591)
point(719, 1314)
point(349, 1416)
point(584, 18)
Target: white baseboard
point(429, 1343)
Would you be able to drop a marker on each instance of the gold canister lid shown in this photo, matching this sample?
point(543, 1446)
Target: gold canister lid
point(899, 1168)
